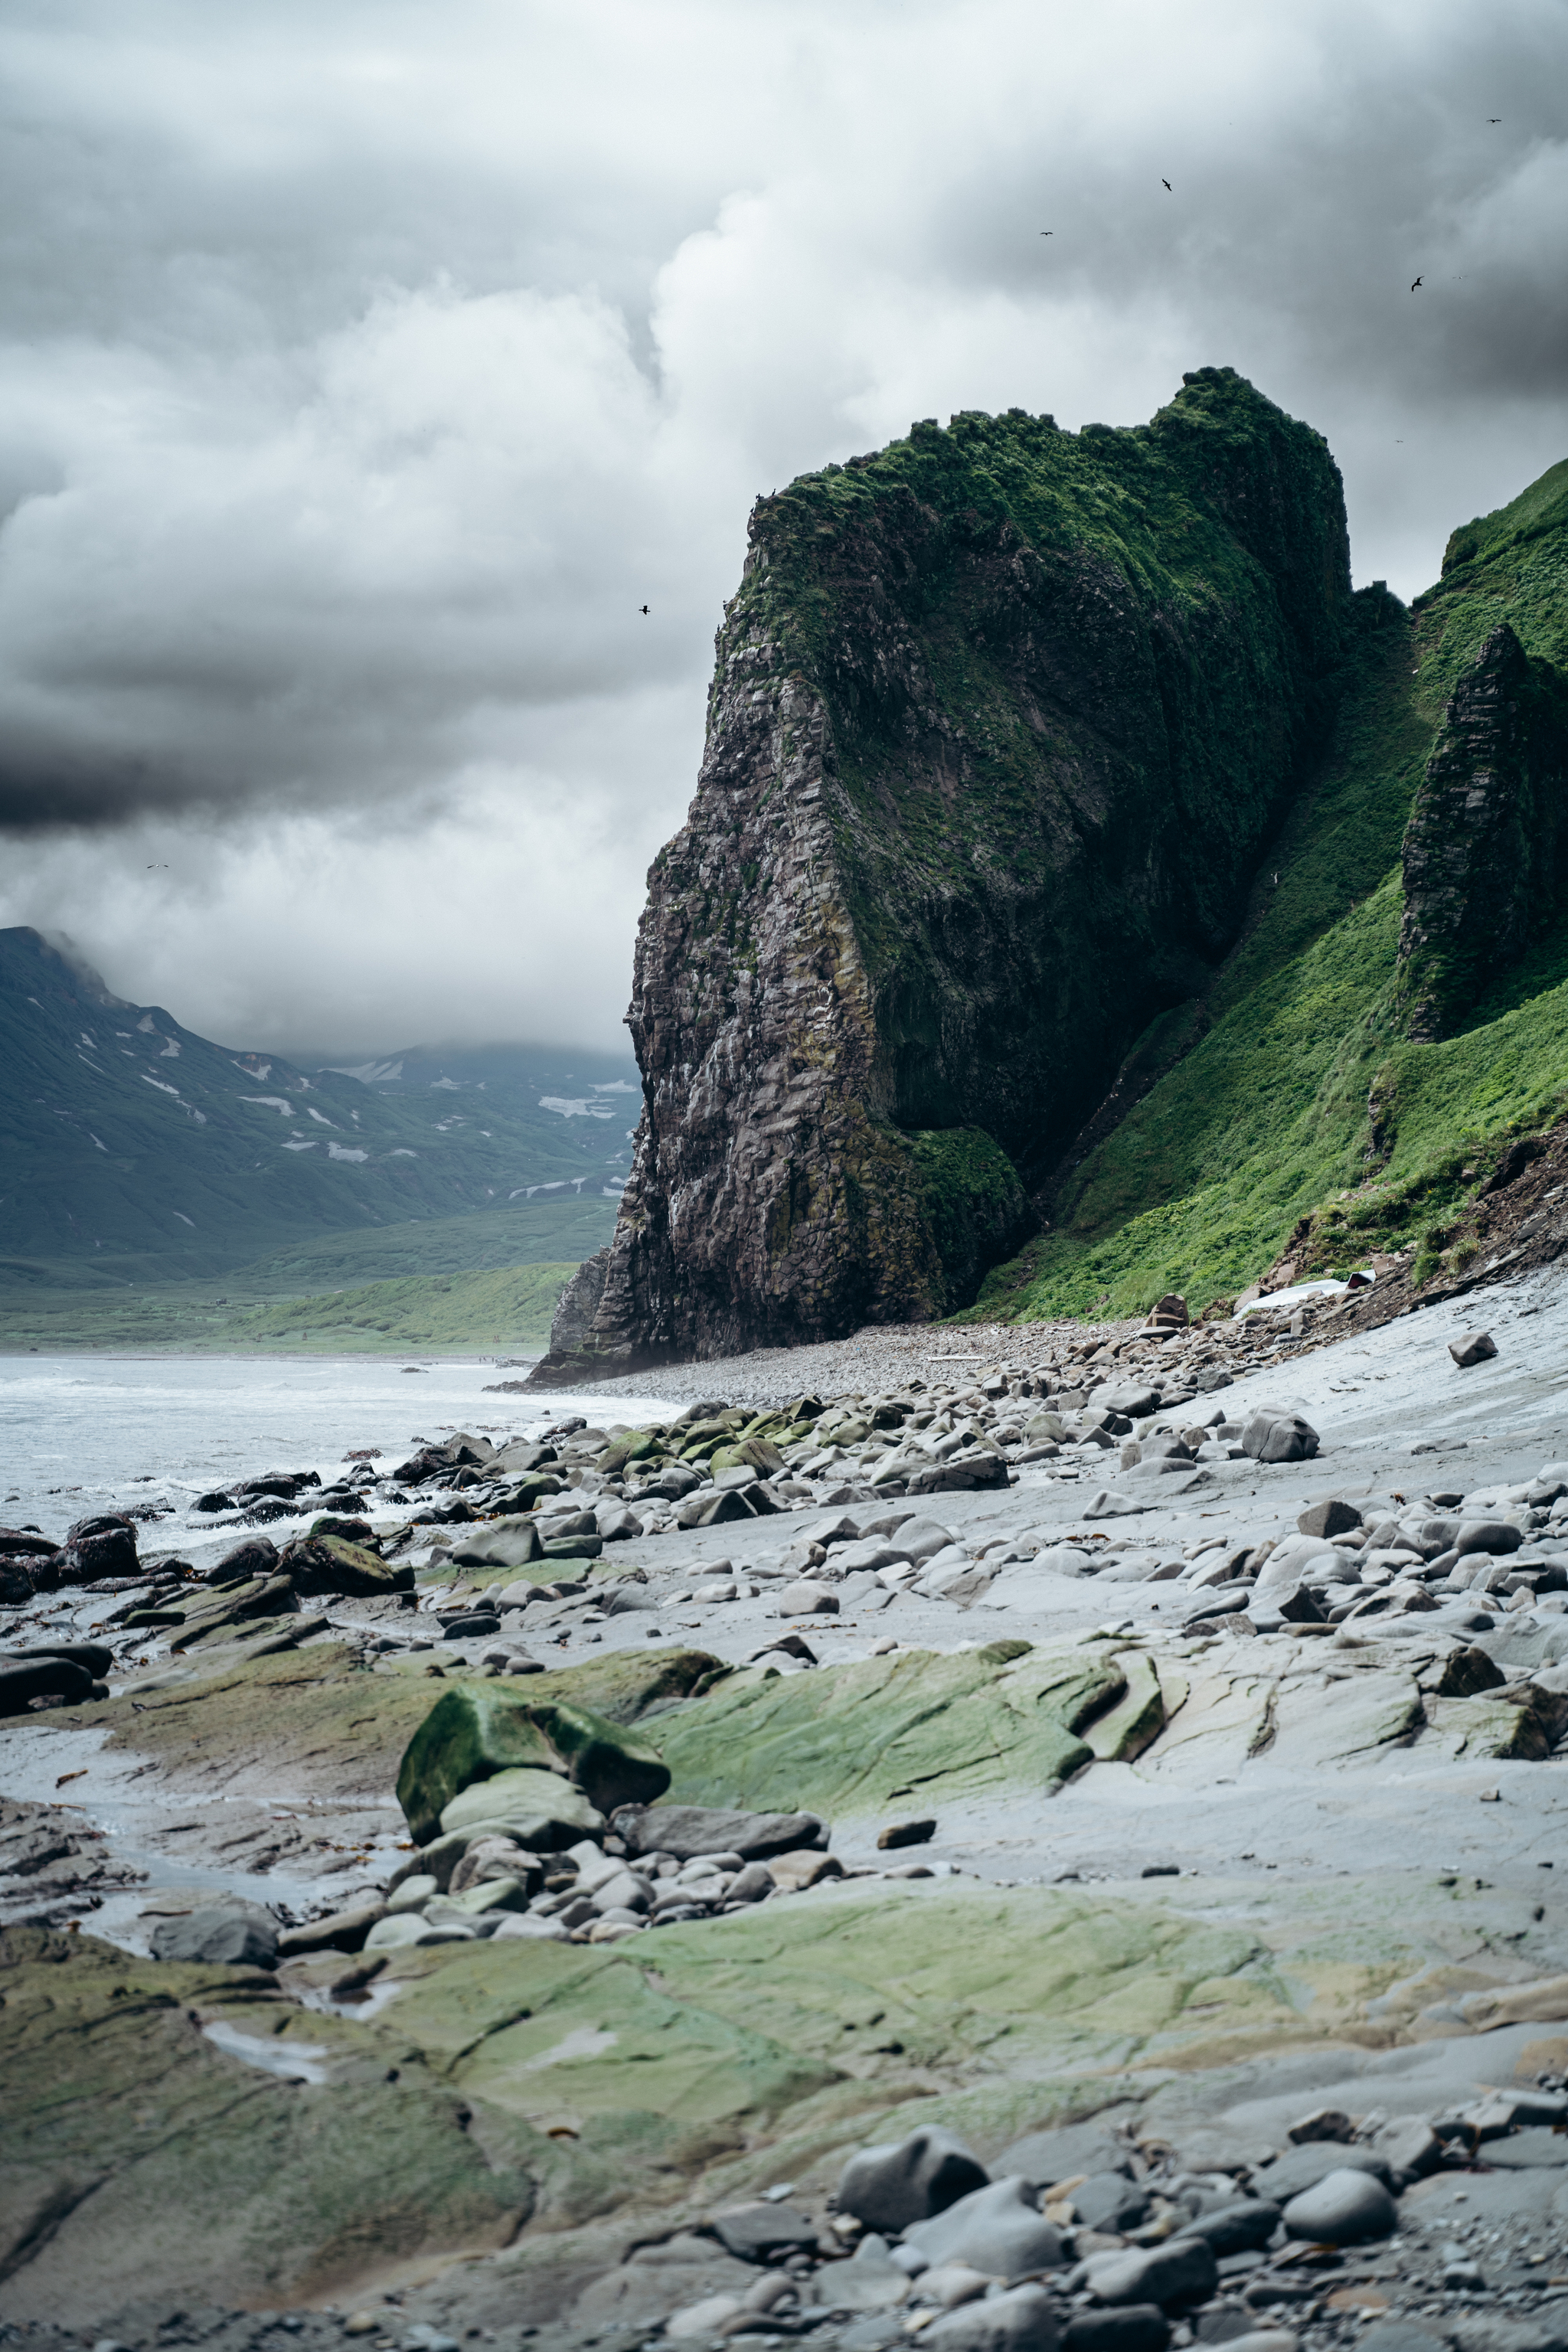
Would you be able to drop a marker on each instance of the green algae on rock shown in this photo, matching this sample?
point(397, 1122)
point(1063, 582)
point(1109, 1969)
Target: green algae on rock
point(475, 1731)
point(852, 1739)
point(1002, 718)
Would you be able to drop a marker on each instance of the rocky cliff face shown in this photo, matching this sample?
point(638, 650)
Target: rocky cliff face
point(1001, 720)
point(1486, 852)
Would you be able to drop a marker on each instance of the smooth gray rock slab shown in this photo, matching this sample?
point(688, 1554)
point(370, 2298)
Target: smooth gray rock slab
point(1303, 2167)
point(1398, 2335)
point(1522, 2151)
point(1022, 2321)
point(754, 2232)
point(1345, 2209)
point(998, 2229)
point(1072, 2149)
point(1181, 2272)
point(234, 1939)
point(903, 2182)
point(688, 1831)
point(1539, 2331)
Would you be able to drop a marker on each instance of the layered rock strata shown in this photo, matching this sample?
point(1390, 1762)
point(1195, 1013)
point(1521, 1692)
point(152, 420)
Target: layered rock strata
point(1485, 851)
point(1001, 721)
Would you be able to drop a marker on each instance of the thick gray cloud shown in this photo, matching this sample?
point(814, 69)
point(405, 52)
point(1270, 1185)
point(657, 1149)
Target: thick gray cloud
point(364, 368)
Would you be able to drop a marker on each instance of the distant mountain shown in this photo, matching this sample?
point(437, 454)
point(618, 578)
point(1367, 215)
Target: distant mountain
point(132, 1149)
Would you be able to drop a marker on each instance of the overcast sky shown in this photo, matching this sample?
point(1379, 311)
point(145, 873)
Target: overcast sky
point(363, 367)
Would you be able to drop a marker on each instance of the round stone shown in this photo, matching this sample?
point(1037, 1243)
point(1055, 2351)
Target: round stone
point(1342, 2210)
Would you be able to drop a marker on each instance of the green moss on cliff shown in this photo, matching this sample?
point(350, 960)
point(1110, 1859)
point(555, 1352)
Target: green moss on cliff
point(1293, 1091)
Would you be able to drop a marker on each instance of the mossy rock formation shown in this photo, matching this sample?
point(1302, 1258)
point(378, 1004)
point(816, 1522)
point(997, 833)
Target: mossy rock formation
point(1002, 719)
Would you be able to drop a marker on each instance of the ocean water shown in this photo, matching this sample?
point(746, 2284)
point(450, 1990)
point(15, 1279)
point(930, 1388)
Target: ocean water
point(81, 1433)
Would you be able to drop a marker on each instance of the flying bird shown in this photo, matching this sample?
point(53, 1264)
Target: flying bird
point(1048, 232)
point(1414, 282)
point(1167, 186)
point(1494, 118)
point(642, 608)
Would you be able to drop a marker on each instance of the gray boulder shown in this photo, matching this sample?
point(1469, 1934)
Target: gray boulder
point(998, 2229)
point(1236, 2229)
point(1109, 2201)
point(901, 2183)
point(1023, 2321)
point(234, 1939)
point(1345, 2209)
point(1182, 2271)
point(1473, 1348)
point(1272, 1436)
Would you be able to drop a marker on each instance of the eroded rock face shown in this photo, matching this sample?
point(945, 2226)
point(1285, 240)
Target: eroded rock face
point(1486, 850)
point(1001, 719)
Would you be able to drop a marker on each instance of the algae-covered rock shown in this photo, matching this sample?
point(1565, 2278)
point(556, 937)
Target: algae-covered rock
point(333, 1564)
point(612, 1764)
point(852, 1737)
point(474, 1731)
point(539, 1808)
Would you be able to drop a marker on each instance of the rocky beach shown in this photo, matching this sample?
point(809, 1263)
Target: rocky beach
point(1110, 1774)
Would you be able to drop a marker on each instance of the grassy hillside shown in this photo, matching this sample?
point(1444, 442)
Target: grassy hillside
point(1289, 1088)
point(458, 1284)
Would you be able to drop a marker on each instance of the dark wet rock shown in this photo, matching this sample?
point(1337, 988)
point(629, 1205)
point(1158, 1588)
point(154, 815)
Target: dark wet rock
point(26, 1541)
point(256, 1555)
point(318, 1564)
point(902, 1833)
point(900, 2183)
point(213, 1500)
point(998, 2230)
point(24, 1680)
point(755, 2233)
point(1235, 2229)
point(1179, 2273)
point(1127, 2328)
point(235, 1938)
point(1345, 2208)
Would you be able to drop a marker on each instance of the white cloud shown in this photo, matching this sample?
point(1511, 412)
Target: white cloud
point(366, 370)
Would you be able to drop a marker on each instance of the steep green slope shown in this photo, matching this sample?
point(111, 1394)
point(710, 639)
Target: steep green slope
point(1292, 1086)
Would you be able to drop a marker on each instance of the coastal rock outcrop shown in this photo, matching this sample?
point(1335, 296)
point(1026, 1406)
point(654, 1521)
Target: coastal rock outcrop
point(1002, 719)
point(1486, 850)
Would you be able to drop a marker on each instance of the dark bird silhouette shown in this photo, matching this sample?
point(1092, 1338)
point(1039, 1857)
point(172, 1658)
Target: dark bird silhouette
point(1167, 186)
point(1414, 282)
point(1494, 118)
point(1048, 232)
point(642, 608)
